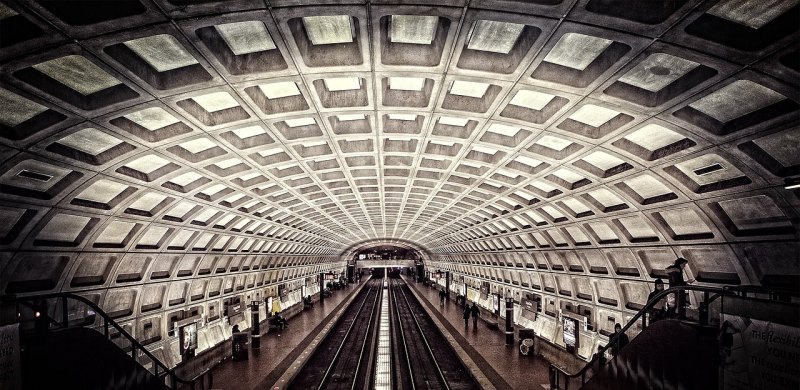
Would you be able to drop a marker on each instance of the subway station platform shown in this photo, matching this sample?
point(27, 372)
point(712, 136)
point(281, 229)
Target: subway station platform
point(281, 349)
point(501, 364)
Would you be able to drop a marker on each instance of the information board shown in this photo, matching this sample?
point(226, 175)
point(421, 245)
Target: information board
point(529, 308)
point(570, 331)
point(188, 339)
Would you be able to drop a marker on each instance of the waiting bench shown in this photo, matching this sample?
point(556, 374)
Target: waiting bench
point(489, 318)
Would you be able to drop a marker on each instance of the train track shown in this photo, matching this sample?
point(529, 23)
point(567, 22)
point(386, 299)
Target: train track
point(422, 357)
point(344, 359)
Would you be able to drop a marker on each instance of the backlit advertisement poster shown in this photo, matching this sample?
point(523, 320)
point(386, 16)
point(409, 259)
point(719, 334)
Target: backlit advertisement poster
point(188, 339)
point(570, 331)
point(759, 355)
point(484, 290)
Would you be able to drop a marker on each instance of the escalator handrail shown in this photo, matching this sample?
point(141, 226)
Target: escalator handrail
point(719, 291)
point(98, 311)
point(650, 304)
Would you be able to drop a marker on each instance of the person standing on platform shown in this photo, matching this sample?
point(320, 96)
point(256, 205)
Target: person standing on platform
point(467, 312)
point(475, 313)
point(441, 296)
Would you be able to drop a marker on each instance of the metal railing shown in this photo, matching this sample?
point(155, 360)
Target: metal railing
point(108, 327)
point(560, 377)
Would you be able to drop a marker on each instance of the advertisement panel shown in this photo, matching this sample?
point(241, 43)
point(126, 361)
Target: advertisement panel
point(484, 290)
point(759, 355)
point(570, 331)
point(529, 308)
point(188, 339)
point(10, 374)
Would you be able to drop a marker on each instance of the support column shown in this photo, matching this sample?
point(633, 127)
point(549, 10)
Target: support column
point(447, 285)
point(255, 328)
point(321, 287)
point(509, 320)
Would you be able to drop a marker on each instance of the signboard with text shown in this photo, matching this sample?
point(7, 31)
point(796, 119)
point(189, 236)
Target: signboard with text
point(763, 355)
point(760, 344)
point(570, 331)
point(10, 374)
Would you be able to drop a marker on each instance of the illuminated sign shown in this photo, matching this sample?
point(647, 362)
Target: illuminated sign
point(570, 331)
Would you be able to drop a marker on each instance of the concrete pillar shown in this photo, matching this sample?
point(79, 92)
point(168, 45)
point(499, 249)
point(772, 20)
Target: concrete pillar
point(255, 329)
point(447, 285)
point(509, 320)
point(322, 287)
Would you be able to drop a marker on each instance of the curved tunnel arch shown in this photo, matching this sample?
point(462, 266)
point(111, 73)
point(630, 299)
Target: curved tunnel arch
point(348, 253)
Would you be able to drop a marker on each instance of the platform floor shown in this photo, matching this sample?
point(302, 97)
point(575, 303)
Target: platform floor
point(501, 364)
point(279, 349)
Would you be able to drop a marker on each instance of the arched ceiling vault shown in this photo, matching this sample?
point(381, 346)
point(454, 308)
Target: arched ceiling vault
point(293, 127)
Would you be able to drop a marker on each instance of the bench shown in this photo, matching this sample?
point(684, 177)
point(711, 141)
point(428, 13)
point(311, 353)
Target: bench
point(489, 318)
point(272, 323)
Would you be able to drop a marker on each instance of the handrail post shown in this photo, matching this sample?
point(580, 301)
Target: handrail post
point(105, 326)
point(644, 320)
point(64, 316)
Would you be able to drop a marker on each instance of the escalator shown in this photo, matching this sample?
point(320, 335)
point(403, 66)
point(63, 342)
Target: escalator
point(69, 342)
point(669, 354)
point(685, 353)
point(81, 358)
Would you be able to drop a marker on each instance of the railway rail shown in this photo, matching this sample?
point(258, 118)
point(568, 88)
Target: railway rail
point(421, 357)
point(343, 359)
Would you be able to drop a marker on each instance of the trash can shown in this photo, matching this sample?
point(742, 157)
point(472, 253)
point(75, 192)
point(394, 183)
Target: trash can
point(239, 346)
point(526, 342)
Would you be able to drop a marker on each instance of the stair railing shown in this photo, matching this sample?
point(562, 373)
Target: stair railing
point(557, 373)
point(159, 369)
point(560, 377)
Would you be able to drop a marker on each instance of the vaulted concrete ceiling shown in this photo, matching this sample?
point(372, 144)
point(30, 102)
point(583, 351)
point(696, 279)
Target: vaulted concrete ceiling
point(292, 127)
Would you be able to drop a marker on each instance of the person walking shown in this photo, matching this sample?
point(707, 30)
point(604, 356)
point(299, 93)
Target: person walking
point(475, 313)
point(467, 312)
